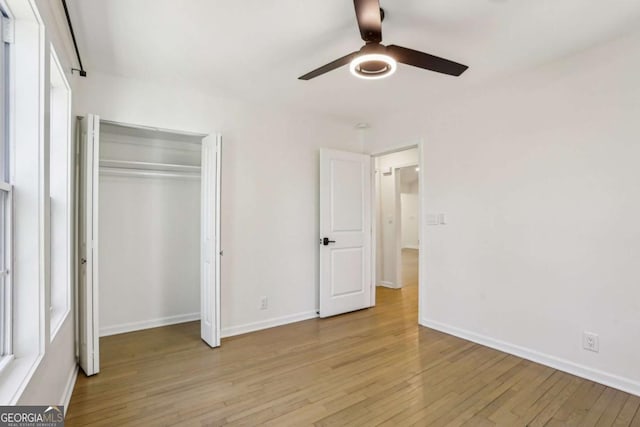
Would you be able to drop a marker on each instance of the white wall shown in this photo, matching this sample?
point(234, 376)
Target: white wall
point(387, 227)
point(149, 251)
point(538, 176)
point(409, 220)
point(269, 188)
point(149, 236)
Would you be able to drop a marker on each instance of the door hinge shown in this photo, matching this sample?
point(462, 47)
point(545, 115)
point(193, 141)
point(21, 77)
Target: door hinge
point(7, 30)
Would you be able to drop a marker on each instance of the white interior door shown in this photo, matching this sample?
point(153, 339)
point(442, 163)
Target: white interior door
point(345, 232)
point(210, 250)
point(89, 350)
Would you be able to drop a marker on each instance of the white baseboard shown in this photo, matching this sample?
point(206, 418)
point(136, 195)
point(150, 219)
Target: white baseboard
point(68, 389)
point(388, 285)
point(411, 247)
point(147, 324)
point(564, 365)
point(269, 323)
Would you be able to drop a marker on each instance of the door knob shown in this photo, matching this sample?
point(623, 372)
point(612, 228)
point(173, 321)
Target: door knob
point(326, 241)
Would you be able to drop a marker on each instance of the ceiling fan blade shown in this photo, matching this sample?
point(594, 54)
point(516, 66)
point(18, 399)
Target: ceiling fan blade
point(369, 20)
point(426, 61)
point(329, 67)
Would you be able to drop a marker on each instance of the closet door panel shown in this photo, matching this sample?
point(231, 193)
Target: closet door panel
point(211, 250)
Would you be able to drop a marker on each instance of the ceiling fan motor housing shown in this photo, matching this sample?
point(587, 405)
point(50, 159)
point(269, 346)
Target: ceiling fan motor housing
point(373, 62)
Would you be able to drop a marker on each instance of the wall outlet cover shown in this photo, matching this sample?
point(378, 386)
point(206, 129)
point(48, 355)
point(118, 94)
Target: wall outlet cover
point(590, 341)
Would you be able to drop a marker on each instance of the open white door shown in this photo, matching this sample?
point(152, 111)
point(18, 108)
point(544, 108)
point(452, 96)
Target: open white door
point(88, 235)
point(345, 232)
point(210, 250)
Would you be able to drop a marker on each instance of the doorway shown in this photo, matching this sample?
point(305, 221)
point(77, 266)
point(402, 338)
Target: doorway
point(397, 223)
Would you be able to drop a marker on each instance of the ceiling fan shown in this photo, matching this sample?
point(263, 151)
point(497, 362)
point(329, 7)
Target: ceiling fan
point(375, 60)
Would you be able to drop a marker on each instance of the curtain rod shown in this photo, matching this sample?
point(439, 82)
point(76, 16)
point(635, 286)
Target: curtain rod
point(81, 71)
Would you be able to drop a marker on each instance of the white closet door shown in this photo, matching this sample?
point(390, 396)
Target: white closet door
point(88, 236)
point(211, 251)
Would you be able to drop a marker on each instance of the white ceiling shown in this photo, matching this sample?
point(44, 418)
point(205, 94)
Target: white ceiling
point(256, 49)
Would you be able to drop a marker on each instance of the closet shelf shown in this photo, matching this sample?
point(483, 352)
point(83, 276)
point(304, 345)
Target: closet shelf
point(146, 166)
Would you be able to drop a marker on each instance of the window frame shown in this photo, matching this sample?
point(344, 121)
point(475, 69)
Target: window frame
point(60, 293)
point(6, 201)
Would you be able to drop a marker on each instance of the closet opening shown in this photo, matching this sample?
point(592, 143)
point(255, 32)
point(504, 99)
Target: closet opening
point(149, 220)
point(148, 232)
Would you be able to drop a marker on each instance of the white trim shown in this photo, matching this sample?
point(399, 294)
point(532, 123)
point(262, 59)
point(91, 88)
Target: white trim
point(18, 375)
point(268, 323)
point(564, 365)
point(375, 218)
point(5, 360)
point(218, 242)
point(68, 389)
point(57, 316)
point(402, 147)
point(422, 209)
point(148, 324)
point(390, 285)
point(416, 247)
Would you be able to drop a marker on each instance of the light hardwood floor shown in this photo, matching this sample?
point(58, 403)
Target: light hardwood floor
point(371, 367)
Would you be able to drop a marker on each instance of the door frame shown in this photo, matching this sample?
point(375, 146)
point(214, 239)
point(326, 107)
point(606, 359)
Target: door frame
point(419, 144)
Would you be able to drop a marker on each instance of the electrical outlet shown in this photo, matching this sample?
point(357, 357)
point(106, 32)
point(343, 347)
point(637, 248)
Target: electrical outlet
point(264, 303)
point(590, 341)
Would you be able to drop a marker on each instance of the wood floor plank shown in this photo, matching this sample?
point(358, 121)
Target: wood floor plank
point(628, 411)
point(543, 417)
point(367, 368)
point(612, 410)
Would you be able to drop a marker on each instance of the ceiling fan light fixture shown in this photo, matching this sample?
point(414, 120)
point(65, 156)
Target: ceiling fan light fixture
point(373, 66)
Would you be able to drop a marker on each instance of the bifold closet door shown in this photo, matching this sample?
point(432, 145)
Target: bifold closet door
point(210, 249)
point(88, 340)
point(87, 293)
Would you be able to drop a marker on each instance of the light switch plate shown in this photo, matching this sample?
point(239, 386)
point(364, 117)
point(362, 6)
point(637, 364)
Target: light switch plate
point(432, 219)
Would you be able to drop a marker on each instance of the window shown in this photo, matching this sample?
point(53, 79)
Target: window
point(5, 202)
point(60, 161)
point(23, 222)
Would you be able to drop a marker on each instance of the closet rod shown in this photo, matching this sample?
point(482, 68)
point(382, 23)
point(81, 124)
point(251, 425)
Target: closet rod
point(148, 166)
